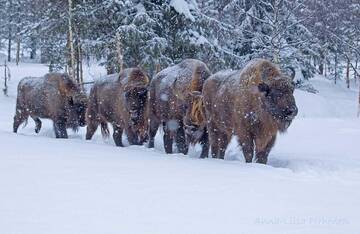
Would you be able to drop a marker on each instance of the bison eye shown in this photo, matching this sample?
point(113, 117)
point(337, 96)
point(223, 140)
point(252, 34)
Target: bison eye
point(142, 92)
point(264, 88)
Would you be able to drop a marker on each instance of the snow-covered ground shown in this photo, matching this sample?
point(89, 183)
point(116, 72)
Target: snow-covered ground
point(311, 184)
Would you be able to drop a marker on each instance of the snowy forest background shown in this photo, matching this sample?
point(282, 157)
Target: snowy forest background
point(312, 36)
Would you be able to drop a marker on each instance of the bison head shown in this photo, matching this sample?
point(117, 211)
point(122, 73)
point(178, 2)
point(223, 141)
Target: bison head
point(278, 100)
point(77, 110)
point(194, 120)
point(135, 103)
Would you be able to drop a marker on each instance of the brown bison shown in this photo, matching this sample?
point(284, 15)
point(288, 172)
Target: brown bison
point(122, 101)
point(252, 104)
point(54, 96)
point(169, 98)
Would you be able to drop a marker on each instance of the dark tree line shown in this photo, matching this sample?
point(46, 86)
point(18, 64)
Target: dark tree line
point(311, 36)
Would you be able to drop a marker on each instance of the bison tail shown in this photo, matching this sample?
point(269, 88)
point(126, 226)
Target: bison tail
point(105, 130)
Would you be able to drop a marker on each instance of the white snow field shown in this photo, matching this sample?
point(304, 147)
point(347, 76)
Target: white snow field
point(72, 186)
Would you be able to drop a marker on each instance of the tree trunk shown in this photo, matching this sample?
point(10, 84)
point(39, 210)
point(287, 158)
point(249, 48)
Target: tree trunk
point(33, 48)
point(348, 74)
point(77, 59)
point(325, 67)
point(80, 62)
point(336, 65)
point(358, 114)
point(10, 32)
point(119, 52)
point(17, 51)
point(110, 68)
point(321, 69)
point(9, 45)
point(71, 44)
point(355, 70)
point(158, 67)
point(43, 57)
point(321, 64)
point(5, 77)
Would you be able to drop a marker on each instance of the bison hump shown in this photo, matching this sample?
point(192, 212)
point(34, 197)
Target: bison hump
point(259, 70)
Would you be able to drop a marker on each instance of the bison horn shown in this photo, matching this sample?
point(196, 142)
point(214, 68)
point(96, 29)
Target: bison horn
point(292, 76)
point(195, 94)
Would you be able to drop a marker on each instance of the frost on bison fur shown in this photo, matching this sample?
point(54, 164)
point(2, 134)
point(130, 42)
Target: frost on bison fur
point(120, 100)
point(252, 104)
point(54, 96)
point(169, 98)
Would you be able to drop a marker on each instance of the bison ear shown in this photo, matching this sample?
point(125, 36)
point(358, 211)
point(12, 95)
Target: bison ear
point(264, 88)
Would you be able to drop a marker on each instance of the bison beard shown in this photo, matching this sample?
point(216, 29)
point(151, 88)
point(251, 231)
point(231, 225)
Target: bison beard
point(54, 96)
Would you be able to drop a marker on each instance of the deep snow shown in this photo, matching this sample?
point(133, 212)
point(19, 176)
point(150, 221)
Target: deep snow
point(311, 185)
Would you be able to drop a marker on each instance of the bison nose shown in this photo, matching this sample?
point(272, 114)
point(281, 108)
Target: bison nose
point(291, 112)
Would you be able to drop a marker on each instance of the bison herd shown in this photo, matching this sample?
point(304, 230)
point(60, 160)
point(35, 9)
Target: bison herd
point(189, 103)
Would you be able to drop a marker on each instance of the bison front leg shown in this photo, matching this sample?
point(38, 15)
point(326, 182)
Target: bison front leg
point(117, 135)
point(91, 129)
point(132, 137)
point(219, 145)
point(37, 124)
point(60, 128)
point(19, 118)
point(263, 149)
point(168, 140)
point(224, 140)
point(219, 141)
point(214, 141)
point(204, 142)
point(153, 127)
point(143, 137)
point(181, 140)
point(247, 146)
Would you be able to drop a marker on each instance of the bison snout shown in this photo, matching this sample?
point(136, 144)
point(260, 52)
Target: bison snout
point(291, 112)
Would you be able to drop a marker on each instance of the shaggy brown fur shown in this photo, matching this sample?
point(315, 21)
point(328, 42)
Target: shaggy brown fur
point(253, 105)
point(169, 98)
point(54, 96)
point(121, 101)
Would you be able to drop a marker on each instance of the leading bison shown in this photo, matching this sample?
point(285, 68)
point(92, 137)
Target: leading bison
point(54, 96)
point(169, 99)
point(121, 100)
point(252, 104)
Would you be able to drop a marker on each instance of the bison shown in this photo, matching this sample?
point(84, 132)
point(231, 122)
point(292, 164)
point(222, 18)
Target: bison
point(54, 96)
point(122, 101)
point(253, 104)
point(169, 99)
